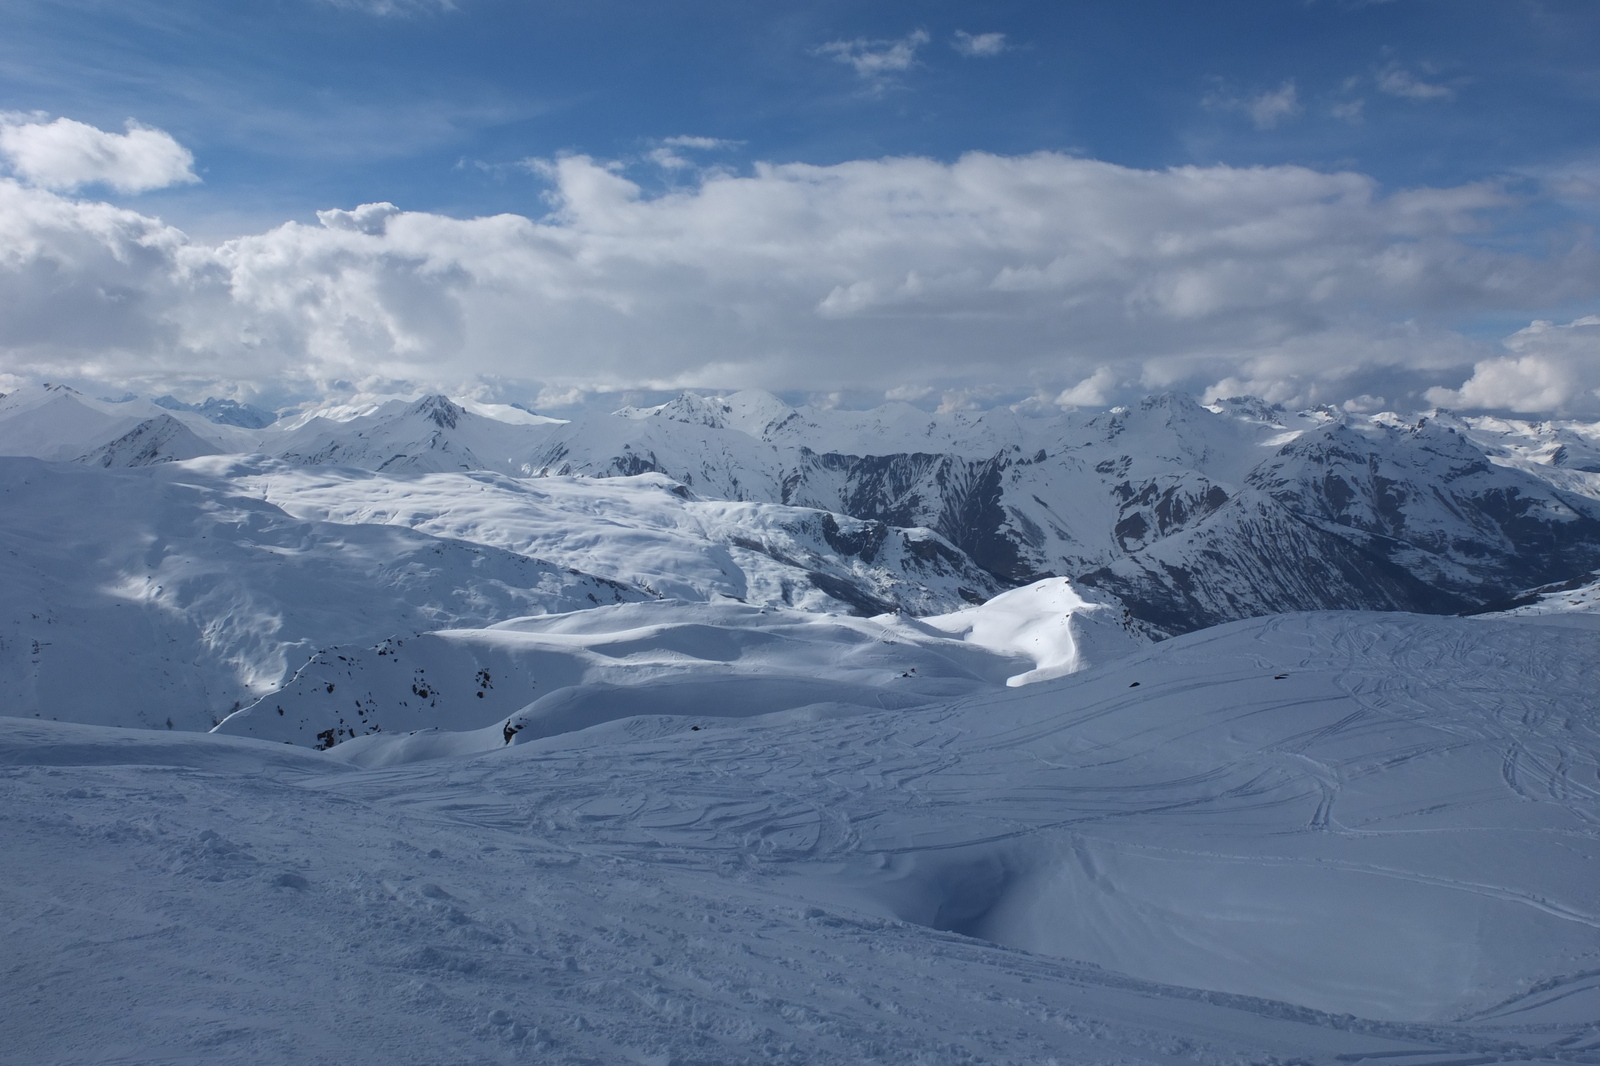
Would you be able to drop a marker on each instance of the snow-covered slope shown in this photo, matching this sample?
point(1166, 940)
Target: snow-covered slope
point(1061, 629)
point(1407, 517)
point(553, 674)
point(162, 439)
point(58, 422)
point(165, 597)
point(1321, 838)
point(1579, 596)
point(429, 435)
point(684, 735)
point(648, 531)
point(1384, 815)
point(216, 580)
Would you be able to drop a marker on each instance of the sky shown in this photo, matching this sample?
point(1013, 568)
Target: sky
point(1380, 205)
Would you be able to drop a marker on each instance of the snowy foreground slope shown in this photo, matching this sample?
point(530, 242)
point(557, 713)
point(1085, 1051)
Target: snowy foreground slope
point(1319, 838)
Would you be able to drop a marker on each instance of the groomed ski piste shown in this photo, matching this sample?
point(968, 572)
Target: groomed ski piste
point(1317, 837)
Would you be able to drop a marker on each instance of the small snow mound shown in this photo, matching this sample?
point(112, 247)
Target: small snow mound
point(1063, 629)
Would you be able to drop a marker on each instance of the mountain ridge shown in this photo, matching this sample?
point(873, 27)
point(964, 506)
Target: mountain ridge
point(1192, 513)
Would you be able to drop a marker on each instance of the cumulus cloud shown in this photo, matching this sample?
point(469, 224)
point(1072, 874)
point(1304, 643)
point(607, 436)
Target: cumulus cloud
point(1551, 369)
point(876, 60)
point(68, 155)
point(1095, 390)
point(978, 45)
point(370, 219)
point(1045, 272)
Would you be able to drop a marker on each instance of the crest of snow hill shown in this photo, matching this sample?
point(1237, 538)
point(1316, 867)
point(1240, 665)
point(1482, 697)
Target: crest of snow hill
point(275, 566)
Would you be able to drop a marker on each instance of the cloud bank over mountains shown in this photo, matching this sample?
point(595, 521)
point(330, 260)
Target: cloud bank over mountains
point(1046, 272)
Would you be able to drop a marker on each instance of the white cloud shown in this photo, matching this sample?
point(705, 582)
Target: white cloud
point(667, 159)
point(666, 155)
point(1351, 111)
point(1551, 369)
point(1095, 390)
point(67, 155)
point(703, 143)
point(370, 219)
point(1396, 81)
point(876, 60)
point(1266, 109)
point(393, 8)
point(1271, 108)
point(1039, 272)
point(978, 45)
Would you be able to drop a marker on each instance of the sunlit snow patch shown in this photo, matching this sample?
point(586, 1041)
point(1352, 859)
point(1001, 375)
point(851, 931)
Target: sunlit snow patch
point(558, 673)
point(1061, 628)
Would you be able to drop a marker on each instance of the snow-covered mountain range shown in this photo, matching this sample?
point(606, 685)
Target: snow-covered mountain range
point(730, 732)
point(237, 555)
point(1191, 515)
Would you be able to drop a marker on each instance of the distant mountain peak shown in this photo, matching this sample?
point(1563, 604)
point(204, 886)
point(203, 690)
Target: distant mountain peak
point(439, 409)
point(222, 412)
point(162, 439)
point(708, 411)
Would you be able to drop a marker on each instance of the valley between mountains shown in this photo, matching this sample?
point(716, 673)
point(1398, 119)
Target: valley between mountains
point(725, 731)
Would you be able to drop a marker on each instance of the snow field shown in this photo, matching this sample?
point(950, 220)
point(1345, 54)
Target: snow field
point(1315, 837)
point(543, 675)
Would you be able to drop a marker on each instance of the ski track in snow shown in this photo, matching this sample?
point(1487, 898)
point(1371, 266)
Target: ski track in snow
point(868, 887)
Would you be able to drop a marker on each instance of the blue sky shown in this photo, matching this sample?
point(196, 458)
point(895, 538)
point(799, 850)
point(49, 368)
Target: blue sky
point(295, 105)
point(290, 107)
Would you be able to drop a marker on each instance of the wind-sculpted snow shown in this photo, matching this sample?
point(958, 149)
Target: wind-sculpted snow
point(535, 677)
point(1060, 628)
point(1324, 838)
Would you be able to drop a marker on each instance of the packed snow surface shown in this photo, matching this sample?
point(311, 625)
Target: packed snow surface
point(1319, 838)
